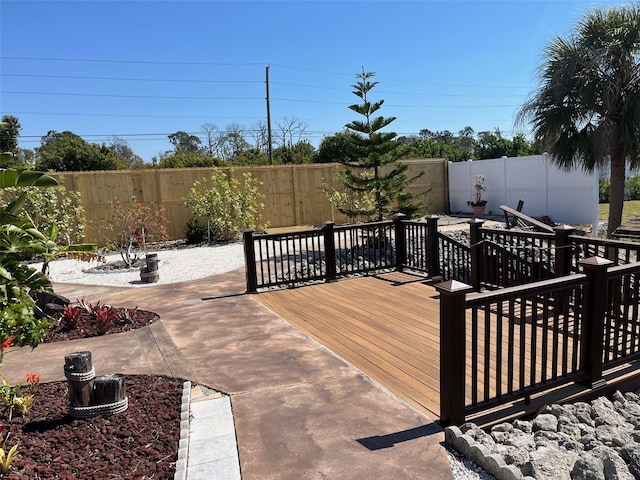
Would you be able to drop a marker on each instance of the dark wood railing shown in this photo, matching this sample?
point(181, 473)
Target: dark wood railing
point(326, 253)
point(534, 338)
point(491, 258)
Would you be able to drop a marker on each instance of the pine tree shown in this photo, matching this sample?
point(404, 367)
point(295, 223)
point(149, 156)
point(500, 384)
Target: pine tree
point(372, 163)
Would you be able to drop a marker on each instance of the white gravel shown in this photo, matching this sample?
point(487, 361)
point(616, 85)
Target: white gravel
point(174, 265)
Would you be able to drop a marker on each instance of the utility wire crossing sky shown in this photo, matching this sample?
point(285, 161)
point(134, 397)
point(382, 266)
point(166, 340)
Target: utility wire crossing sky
point(143, 70)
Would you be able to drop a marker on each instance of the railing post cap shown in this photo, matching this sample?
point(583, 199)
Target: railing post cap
point(329, 222)
point(453, 286)
point(398, 215)
point(596, 262)
point(432, 216)
point(475, 221)
point(248, 230)
point(564, 228)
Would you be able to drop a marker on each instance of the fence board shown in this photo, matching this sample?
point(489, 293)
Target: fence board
point(293, 193)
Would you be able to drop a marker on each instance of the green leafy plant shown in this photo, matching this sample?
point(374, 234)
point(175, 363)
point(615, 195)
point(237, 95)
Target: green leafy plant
point(194, 231)
point(18, 398)
point(56, 205)
point(131, 226)
point(7, 458)
point(18, 322)
point(353, 202)
point(227, 205)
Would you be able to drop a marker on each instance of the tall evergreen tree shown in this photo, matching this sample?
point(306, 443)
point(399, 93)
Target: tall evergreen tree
point(372, 163)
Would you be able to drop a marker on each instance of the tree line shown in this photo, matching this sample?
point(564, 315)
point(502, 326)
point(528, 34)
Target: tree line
point(238, 145)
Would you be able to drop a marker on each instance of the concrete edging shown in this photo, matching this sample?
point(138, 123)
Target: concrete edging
point(183, 445)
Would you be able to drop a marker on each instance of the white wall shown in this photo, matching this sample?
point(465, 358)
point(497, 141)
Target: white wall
point(565, 197)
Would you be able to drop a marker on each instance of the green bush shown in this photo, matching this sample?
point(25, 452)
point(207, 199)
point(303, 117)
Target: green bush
point(53, 205)
point(17, 319)
point(227, 204)
point(604, 185)
point(632, 188)
point(195, 232)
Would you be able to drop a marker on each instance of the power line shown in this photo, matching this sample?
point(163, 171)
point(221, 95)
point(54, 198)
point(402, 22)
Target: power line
point(122, 115)
point(233, 82)
point(297, 100)
point(158, 62)
point(142, 62)
point(75, 77)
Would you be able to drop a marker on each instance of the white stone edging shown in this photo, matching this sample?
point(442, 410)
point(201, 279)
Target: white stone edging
point(183, 445)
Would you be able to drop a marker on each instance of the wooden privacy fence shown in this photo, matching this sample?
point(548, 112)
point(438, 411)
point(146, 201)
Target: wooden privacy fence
point(293, 193)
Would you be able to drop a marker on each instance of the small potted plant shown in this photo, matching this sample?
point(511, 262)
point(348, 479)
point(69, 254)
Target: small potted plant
point(478, 204)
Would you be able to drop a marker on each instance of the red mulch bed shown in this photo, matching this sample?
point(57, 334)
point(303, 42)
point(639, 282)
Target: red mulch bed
point(88, 325)
point(140, 443)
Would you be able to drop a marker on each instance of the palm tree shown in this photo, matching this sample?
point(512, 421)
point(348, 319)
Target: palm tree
point(586, 111)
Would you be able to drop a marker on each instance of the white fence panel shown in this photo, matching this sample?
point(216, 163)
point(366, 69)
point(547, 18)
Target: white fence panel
point(565, 197)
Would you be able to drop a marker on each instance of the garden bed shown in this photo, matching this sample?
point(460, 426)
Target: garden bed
point(140, 443)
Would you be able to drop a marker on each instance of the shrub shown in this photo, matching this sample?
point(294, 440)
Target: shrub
point(195, 232)
point(351, 201)
point(604, 185)
point(632, 188)
point(53, 205)
point(18, 321)
point(130, 226)
point(227, 204)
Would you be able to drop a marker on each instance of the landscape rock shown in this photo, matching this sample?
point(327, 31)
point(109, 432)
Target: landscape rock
point(582, 441)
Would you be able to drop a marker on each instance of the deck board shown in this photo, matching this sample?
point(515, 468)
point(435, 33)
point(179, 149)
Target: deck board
point(388, 327)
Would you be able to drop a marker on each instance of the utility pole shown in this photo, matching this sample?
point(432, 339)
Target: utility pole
point(269, 121)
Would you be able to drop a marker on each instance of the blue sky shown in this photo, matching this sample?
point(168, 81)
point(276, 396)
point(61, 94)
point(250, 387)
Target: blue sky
point(142, 70)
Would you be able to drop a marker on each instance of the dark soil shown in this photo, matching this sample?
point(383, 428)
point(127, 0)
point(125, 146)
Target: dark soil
point(140, 443)
point(126, 319)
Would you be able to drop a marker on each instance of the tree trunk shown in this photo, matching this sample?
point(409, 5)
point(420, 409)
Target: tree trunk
point(616, 190)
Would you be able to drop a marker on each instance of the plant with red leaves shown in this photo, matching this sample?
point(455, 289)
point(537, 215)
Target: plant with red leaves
point(70, 316)
point(105, 315)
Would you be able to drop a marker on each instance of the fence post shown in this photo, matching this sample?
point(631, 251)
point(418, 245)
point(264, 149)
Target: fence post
point(433, 246)
point(452, 350)
point(250, 261)
point(477, 260)
point(595, 300)
point(563, 250)
point(401, 241)
point(329, 251)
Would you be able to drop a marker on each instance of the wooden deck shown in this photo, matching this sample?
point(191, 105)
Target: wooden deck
point(387, 326)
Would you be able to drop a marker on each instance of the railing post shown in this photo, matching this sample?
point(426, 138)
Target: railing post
point(477, 261)
point(433, 246)
point(594, 309)
point(329, 251)
point(251, 272)
point(452, 350)
point(563, 250)
point(401, 241)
